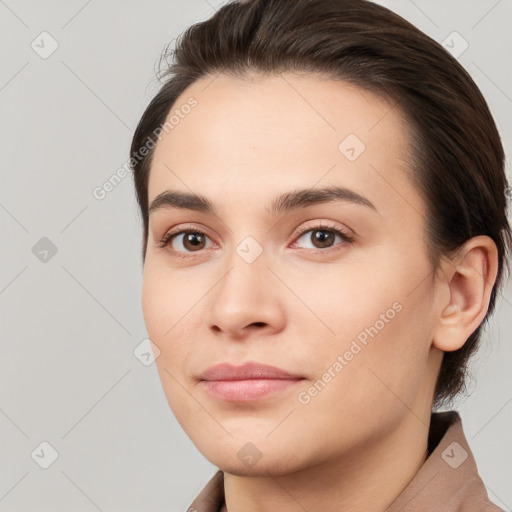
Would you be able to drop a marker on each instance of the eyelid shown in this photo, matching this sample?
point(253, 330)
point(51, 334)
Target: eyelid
point(180, 230)
point(327, 225)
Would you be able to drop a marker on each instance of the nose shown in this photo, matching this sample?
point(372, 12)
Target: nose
point(247, 299)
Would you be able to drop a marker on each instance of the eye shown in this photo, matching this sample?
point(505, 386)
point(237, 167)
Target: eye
point(323, 237)
point(184, 241)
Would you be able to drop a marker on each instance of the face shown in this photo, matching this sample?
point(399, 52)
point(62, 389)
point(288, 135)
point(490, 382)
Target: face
point(333, 289)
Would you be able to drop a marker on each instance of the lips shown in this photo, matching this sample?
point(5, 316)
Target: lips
point(247, 371)
point(246, 383)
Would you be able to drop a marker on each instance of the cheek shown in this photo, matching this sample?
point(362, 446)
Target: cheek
point(167, 297)
point(377, 319)
point(154, 303)
point(365, 387)
point(341, 301)
point(162, 312)
point(171, 303)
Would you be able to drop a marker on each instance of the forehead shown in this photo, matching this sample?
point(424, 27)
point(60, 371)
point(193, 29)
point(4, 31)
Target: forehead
point(265, 135)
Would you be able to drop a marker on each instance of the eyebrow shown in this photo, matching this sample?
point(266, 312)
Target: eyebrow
point(281, 204)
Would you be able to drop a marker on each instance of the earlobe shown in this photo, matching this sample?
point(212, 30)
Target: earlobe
point(469, 279)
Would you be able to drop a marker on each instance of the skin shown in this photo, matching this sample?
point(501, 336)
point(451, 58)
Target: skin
point(362, 438)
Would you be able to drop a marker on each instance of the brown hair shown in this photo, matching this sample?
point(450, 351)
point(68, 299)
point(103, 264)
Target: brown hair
point(457, 155)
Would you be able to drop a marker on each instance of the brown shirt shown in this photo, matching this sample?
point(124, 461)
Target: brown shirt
point(448, 481)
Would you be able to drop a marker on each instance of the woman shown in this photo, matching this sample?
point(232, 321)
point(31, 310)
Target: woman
point(322, 191)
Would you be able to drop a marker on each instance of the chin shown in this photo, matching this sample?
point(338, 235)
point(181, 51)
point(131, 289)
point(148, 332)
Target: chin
point(248, 460)
point(264, 469)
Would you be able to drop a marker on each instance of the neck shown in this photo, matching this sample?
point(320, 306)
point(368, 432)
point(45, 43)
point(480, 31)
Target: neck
point(367, 479)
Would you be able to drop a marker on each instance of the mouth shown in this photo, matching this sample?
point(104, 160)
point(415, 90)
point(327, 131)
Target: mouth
point(248, 382)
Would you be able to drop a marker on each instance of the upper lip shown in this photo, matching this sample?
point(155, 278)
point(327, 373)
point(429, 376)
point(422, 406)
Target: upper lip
point(249, 370)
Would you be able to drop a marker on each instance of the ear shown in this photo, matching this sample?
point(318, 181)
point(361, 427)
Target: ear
point(468, 281)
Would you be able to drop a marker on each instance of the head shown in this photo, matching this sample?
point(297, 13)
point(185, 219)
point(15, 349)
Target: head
point(354, 125)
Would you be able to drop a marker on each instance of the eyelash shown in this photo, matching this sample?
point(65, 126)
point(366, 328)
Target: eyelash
point(347, 239)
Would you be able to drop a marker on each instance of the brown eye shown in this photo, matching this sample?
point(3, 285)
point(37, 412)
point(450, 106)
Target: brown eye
point(184, 242)
point(323, 237)
point(191, 241)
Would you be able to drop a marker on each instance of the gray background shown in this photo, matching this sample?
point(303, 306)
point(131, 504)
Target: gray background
point(70, 323)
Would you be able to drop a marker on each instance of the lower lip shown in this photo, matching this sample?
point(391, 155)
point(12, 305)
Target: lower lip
point(247, 390)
